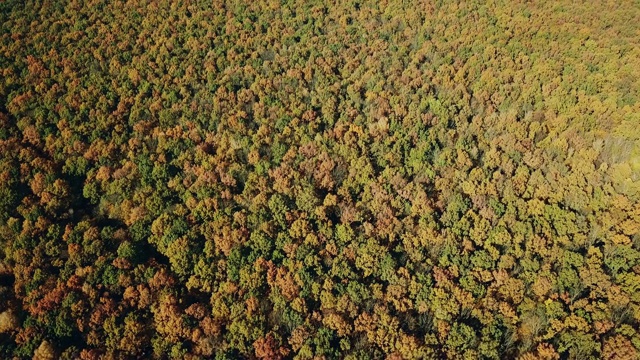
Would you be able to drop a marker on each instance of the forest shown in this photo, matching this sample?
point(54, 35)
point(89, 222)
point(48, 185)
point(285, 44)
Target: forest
point(319, 179)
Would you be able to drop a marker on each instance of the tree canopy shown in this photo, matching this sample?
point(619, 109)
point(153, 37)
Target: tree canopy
point(319, 179)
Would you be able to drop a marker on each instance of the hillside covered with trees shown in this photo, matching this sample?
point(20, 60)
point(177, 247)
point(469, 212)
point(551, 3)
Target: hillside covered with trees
point(319, 179)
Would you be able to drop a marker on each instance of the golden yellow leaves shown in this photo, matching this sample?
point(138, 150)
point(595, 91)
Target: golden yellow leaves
point(542, 286)
point(510, 291)
point(336, 322)
point(544, 351)
point(8, 321)
point(618, 347)
point(45, 351)
point(535, 207)
point(620, 239)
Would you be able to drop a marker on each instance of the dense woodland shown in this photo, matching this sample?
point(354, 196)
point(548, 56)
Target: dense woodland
point(319, 180)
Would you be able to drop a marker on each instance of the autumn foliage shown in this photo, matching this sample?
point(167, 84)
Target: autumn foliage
point(319, 180)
